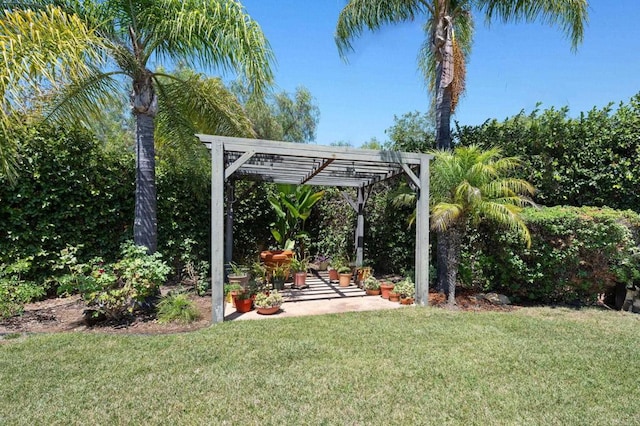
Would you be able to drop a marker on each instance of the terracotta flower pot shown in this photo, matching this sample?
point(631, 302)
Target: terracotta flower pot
point(394, 297)
point(268, 311)
point(333, 275)
point(300, 279)
point(373, 292)
point(406, 300)
point(385, 289)
point(243, 305)
point(345, 280)
point(273, 258)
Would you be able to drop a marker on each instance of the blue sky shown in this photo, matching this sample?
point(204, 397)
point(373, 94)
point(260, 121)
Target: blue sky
point(512, 66)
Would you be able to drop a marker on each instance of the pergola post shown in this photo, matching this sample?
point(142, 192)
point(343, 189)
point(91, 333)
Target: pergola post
point(359, 239)
point(422, 236)
point(217, 237)
point(228, 227)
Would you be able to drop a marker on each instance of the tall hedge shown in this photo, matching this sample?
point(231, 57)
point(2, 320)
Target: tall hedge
point(576, 254)
point(68, 191)
point(71, 191)
point(591, 160)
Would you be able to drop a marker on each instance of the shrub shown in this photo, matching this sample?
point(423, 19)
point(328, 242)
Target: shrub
point(118, 289)
point(14, 290)
point(371, 283)
point(576, 254)
point(177, 307)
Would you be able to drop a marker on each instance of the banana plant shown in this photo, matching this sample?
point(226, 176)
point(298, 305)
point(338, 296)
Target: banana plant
point(292, 205)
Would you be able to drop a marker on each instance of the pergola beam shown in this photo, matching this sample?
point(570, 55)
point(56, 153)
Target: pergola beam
point(316, 171)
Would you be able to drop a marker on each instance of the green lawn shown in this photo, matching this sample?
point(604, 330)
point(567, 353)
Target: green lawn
point(405, 366)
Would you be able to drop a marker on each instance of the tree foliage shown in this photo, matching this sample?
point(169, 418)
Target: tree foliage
point(91, 51)
point(448, 36)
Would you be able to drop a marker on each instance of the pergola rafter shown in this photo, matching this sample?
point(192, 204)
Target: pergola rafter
point(302, 164)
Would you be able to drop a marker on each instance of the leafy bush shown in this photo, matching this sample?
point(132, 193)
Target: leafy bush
point(14, 290)
point(576, 254)
point(371, 283)
point(177, 307)
point(118, 289)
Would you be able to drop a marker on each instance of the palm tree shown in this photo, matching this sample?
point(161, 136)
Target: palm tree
point(448, 36)
point(469, 185)
point(85, 51)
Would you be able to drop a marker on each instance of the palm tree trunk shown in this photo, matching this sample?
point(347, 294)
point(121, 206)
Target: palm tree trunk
point(453, 240)
point(441, 262)
point(442, 44)
point(145, 228)
point(443, 115)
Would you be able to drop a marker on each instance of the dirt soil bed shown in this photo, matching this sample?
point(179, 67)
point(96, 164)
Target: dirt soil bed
point(67, 314)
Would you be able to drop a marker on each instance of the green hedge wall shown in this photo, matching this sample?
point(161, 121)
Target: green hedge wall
point(68, 192)
point(576, 254)
point(592, 160)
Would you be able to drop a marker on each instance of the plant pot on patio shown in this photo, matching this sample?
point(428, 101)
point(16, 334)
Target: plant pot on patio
point(345, 280)
point(243, 303)
point(394, 297)
point(333, 275)
point(385, 289)
point(300, 279)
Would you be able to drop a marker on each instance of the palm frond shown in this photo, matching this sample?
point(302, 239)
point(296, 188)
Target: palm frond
point(196, 104)
point(507, 215)
point(84, 99)
point(444, 215)
point(570, 15)
point(359, 15)
point(208, 34)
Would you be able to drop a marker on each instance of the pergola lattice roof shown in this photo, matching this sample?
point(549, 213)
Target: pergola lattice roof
point(285, 162)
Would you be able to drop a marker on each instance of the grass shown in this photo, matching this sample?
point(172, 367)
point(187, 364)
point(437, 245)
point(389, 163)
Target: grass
point(405, 366)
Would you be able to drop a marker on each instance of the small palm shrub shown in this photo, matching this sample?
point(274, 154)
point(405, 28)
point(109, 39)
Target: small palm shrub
point(177, 307)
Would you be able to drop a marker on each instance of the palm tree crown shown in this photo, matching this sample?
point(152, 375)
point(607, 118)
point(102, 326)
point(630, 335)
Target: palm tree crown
point(469, 184)
point(87, 50)
point(448, 36)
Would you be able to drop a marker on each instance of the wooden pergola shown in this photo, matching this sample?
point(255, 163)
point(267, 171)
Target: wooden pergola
point(302, 164)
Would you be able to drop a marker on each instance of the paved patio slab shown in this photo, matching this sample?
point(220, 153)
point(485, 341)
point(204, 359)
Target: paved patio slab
point(320, 297)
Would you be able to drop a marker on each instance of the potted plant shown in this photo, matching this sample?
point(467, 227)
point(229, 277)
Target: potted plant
point(345, 274)
point(299, 267)
point(322, 262)
point(385, 289)
point(279, 275)
point(269, 304)
point(231, 291)
point(372, 286)
point(407, 291)
point(239, 274)
point(243, 301)
point(333, 268)
point(393, 295)
point(259, 271)
point(364, 272)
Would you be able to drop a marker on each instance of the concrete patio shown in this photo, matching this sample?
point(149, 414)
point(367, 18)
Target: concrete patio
point(320, 297)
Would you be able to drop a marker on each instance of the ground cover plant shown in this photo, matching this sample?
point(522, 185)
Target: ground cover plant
point(530, 366)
